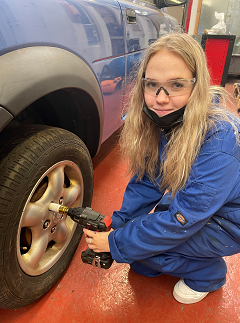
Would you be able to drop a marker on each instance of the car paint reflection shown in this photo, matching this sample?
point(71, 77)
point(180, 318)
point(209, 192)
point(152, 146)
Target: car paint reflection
point(93, 31)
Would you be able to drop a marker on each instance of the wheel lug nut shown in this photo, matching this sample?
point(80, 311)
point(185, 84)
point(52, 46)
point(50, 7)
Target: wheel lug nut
point(53, 229)
point(46, 224)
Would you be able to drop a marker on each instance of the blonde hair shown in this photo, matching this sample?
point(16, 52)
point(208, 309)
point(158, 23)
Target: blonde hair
point(140, 138)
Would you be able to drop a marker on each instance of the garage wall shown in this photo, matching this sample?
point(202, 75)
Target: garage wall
point(207, 16)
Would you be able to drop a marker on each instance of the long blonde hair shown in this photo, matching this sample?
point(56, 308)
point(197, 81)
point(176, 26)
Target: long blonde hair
point(140, 138)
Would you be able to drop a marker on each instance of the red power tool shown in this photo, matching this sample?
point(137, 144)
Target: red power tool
point(91, 220)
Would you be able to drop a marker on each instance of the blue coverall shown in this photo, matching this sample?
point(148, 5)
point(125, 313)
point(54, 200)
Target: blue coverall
point(188, 236)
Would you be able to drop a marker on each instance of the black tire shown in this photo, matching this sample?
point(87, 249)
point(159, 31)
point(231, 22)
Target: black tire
point(39, 165)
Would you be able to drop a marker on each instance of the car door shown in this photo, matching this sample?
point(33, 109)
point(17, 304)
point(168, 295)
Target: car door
point(144, 24)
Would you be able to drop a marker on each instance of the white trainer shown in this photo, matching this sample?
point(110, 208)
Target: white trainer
point(185, 295)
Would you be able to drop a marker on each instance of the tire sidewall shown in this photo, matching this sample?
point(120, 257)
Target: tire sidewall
point(17, 281)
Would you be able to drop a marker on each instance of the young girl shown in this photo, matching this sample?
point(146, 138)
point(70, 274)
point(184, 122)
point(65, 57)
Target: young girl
point(178, 140)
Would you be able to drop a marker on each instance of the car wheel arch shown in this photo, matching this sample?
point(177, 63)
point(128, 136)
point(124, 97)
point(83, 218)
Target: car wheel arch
point(32, 73)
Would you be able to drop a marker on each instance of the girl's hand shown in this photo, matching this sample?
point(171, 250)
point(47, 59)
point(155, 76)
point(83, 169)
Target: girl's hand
point(97, 241)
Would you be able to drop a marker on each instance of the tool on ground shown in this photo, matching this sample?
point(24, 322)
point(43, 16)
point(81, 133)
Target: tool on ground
point(91, 220)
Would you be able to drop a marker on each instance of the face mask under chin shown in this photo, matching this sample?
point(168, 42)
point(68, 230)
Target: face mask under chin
point(166, 122)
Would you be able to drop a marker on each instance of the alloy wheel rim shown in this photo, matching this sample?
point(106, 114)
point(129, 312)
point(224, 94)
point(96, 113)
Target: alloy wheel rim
point(43, 236)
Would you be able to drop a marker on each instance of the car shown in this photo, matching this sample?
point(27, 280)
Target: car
point(65, 68)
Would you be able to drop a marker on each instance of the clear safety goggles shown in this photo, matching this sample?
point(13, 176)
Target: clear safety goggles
point(171, 88)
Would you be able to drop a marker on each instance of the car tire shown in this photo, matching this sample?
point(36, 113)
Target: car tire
point(39, 165)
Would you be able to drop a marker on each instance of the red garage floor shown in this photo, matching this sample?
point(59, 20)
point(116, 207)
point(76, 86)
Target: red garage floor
point(87, 294)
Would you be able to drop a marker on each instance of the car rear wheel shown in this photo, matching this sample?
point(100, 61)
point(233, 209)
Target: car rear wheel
point(39, 166)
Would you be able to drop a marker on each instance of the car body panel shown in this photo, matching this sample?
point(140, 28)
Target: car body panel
point(5, 117)
point(96, 32)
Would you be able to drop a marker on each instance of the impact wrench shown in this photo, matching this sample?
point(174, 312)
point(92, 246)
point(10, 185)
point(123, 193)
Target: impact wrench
point(91, 220)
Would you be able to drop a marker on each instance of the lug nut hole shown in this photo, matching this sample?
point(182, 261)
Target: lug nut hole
point(53, 229)
point(46, 224)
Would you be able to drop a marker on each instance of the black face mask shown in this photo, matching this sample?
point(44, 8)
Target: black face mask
point(168, 121)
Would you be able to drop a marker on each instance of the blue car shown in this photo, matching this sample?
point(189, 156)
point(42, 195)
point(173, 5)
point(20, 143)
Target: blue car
point(65, 67)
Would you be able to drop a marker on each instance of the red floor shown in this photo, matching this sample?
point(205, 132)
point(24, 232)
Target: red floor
point(87, 294)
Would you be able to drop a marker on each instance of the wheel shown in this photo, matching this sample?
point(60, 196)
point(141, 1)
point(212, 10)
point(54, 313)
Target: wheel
point(38, 166)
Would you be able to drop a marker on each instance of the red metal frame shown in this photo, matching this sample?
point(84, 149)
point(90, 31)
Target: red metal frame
point(218, 51)
point(190, 2)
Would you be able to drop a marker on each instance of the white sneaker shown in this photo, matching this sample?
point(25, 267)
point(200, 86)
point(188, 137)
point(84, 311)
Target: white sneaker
point(185, 295)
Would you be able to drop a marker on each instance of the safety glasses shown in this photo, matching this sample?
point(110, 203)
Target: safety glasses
point(172, 88)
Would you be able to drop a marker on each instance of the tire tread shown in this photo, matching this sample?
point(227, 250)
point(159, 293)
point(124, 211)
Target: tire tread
point(19, 152)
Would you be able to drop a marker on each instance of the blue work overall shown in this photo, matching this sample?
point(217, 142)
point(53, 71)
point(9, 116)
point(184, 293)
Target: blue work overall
point(187, 236)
